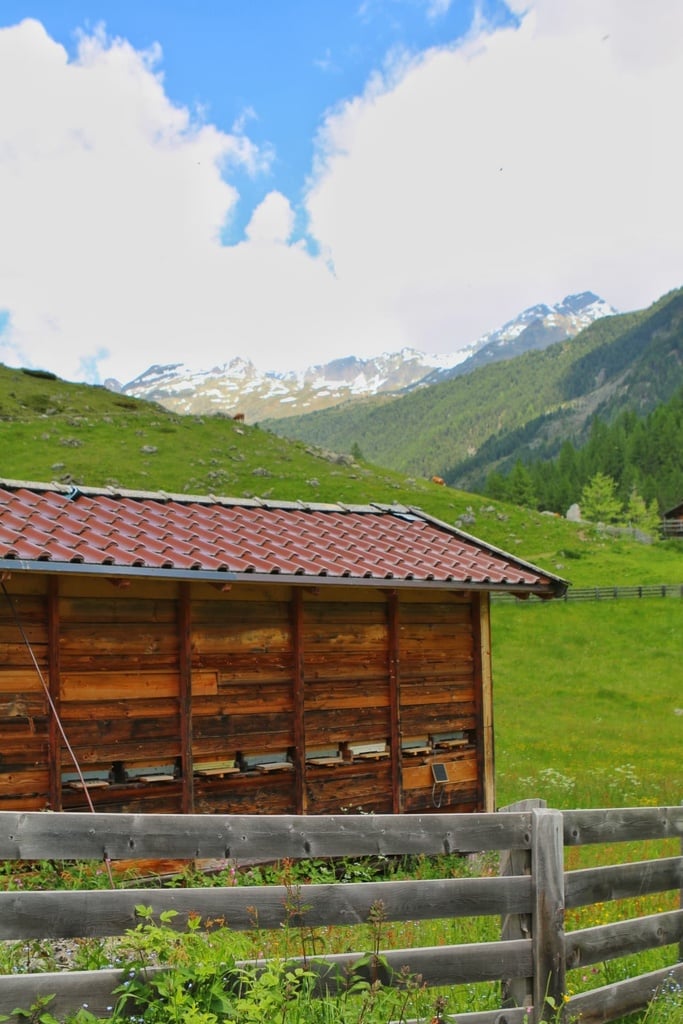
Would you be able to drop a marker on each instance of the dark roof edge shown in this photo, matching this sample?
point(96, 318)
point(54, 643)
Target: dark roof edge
point(11, 565)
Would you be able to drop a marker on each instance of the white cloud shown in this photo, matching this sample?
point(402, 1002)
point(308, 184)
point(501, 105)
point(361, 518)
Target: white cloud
point(463, 185)
point(272, 220)
point(112, 203)
point(515, 168)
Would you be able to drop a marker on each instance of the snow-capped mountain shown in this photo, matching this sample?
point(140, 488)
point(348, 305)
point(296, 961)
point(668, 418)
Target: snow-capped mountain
point(534, 328)
point(238, 386)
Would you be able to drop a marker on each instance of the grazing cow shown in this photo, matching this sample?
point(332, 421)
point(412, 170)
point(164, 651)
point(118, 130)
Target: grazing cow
point(439, 480)
point(239, 417)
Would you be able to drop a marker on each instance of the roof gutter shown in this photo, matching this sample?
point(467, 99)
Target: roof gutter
point(222, 576)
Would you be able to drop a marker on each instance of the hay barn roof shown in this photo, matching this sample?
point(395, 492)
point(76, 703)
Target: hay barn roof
point(57, 528)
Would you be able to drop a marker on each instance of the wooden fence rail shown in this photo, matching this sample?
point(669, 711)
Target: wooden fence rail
point(531, 960)
point(610, 593)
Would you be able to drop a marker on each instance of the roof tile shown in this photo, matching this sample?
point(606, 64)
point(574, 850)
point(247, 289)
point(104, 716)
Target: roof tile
point(164, 533)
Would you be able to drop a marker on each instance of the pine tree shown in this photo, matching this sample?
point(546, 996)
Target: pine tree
point(520, 486)
point(599, 502)
point(642, 516)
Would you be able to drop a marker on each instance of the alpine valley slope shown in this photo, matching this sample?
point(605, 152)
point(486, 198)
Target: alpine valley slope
point(463, 428)
point(83, 435)
point(237, 386)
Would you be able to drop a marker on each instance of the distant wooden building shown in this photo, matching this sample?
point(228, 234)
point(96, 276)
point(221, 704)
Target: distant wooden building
point(672, 522)
point(166, 653)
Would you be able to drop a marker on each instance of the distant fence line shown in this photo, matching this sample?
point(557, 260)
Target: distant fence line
point(610, 593)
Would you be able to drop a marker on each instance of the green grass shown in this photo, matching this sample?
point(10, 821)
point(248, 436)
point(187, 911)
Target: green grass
point(588, 701)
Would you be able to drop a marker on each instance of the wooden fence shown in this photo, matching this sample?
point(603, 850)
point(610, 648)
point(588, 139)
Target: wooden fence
point(610, 593)
point(531, 960)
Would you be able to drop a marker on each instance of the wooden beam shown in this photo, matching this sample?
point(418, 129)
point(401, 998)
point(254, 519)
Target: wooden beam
point(547, 936)
point(298, 697)
point(33, 835)
point(483, 684)
point(517, 991)
point(185, 695)
point(395, 702)
point(54, 742)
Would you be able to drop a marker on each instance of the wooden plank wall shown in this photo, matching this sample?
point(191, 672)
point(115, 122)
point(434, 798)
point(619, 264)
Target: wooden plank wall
point(119, 688)
point(23, 705)
point(438, 695)
point(279, 678)
point(245, 637)
point(346, 702)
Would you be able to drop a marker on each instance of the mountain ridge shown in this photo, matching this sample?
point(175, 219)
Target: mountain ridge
point(238, 386)
point(532, 330)
point(461, 429)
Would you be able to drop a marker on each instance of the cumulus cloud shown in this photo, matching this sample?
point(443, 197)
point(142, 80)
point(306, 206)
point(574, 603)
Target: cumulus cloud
point(272, 220)
point(112, 202)
point(465, 183)
point(523, 164)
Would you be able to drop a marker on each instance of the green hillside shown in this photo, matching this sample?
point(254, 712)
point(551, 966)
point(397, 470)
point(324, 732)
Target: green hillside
point(75, 433)
point(534, 401)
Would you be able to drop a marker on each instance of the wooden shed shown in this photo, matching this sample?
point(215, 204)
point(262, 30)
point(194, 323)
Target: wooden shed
point(672, 522)
point(175, 653)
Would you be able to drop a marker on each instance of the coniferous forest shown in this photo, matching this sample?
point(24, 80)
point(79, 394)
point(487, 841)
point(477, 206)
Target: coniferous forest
point(639, 454)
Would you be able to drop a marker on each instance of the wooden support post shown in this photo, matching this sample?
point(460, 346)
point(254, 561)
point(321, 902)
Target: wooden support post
point(54, 740)
point(394, 704)
point(185, 695)
point(547, 926)
point(517, 991)
point(483, 687)
point(298, 698)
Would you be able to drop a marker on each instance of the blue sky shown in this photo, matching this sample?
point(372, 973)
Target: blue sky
point(296, 181)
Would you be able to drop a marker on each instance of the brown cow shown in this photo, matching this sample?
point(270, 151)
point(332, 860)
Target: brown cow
point(239, 417)
point(439, 480)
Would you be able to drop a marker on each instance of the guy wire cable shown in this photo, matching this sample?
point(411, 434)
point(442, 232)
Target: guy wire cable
point(54, 711)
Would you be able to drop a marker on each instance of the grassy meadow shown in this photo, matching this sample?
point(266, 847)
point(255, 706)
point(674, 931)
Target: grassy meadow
point(589, 701)
point(588, 695)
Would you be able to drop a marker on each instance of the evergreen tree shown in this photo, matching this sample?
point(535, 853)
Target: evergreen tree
point(642, 516)
point(599, 501)
point(496, 486)
point(569, 483)
point(520, 488)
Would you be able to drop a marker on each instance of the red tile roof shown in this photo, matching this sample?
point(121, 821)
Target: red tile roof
point(58, 528)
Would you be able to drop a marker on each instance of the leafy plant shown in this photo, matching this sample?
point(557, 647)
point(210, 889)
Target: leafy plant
point(37, 1012)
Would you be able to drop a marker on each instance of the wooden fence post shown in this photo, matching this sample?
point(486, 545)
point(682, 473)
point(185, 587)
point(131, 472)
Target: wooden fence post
point(547, 930)
point(517, 991)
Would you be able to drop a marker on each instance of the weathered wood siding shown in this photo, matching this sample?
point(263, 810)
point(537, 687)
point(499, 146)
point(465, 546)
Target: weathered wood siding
point(24, 776)
point(346, 701)
point(245, 637)
point(438, 694)
point(253, 699)
point(118, 689)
